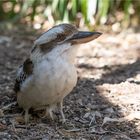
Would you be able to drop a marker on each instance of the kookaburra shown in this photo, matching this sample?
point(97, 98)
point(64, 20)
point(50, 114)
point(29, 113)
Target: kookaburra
point(49, 74)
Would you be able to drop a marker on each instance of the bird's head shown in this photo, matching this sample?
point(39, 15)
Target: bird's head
point(62, 35)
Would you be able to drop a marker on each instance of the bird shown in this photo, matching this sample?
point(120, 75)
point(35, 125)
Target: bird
point(49, 74)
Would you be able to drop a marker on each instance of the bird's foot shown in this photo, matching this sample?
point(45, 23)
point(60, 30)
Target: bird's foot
point(50, 110)
point(62, 115)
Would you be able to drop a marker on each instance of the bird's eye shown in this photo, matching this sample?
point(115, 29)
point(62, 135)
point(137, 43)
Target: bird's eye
point(60, 37)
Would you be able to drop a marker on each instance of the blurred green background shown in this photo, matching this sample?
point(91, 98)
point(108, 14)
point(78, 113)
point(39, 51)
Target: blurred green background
point(116, 14)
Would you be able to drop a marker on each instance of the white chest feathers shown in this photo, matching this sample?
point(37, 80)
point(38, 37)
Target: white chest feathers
point(53, 78)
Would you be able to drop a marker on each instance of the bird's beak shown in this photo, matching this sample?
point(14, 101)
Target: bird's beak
point(84, 37)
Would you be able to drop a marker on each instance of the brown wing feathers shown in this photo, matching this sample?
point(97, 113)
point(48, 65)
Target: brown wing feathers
point(25, 71)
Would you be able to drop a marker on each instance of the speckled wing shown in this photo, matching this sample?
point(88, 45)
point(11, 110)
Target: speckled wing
point(24, 72)
point(19, 79)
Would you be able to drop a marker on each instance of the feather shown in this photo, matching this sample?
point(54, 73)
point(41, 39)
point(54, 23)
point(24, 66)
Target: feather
point(24, 72)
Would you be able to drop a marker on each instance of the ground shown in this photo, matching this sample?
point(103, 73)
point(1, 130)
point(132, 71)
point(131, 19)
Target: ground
point(105, 104)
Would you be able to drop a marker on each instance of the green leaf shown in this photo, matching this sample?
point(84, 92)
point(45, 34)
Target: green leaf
point(84, 9)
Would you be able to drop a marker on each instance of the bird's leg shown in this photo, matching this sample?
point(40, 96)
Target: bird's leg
point(26, 116)
point(61, 111)
point(51, 112)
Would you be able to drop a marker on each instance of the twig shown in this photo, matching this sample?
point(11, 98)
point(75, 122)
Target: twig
point(21, 126)
point(11, 115)
point(73, 130)
point(13, 125)
point(9, 105)
point(93, 119)
point(18, 138)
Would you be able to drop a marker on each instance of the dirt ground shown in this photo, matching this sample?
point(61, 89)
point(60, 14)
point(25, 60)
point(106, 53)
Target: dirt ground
point(105, 104)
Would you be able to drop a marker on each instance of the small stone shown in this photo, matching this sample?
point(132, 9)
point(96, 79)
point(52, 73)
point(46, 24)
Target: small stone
point(109, 110)
point(3, 122)
point(1, 113)
point(86, 115)
point(98, 114)
point(76, 118)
